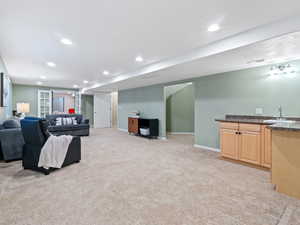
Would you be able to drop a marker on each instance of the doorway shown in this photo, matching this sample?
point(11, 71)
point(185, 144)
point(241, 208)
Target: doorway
point(87, 107)
point(63, 101)
point(114, 109)
point(102, 110)
point(179, 116)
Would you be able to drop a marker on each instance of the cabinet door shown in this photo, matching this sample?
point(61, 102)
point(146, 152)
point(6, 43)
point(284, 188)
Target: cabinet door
point(266, 156)
point(250, 147)
point(133, 125)
point(229, 143)
point(130, 125)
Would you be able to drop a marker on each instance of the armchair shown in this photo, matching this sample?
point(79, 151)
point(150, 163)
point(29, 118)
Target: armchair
point(11, 141)
point(35, 135)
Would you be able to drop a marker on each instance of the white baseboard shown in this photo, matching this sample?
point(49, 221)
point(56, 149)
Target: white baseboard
point(192, 133)
point(123, 130)
point(207, 148)
point(162, 138)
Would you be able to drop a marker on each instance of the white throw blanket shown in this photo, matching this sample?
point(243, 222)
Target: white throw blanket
point(54, 151)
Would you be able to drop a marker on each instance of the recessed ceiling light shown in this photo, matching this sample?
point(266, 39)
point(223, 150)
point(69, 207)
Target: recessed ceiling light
point(43, 77)
point(39, 83)
point(75, 86)
point(51, 64)
point(139, 59)
point(66, 41)
point(105, 72)
point(85, 81)
point(213, 28)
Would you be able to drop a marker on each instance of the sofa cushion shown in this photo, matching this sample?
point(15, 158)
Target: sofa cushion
point(52, 118)
point(44, 127)
point(74, 121)
point(77, 116)
point(10, 124)
point(67, 121)
point(68, 127)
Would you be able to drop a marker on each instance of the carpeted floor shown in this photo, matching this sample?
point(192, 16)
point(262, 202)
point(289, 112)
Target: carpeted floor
point(127, 180)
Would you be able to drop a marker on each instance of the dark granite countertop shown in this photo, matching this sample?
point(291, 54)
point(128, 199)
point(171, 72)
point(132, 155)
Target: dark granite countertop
point(261, 120)
point(243, 120)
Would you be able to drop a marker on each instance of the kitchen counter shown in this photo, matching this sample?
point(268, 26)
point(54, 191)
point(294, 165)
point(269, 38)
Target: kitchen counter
point(286, 126)
point(243, 120)
point(272, 144)
point(260, 120)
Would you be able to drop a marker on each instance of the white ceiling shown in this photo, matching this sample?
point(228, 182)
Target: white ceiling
point(277, 50)
point(109, 34)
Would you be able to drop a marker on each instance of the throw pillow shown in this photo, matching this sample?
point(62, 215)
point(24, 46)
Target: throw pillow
point(70, 121)
point(67, 121)
point(74, 120)
point(59, 121)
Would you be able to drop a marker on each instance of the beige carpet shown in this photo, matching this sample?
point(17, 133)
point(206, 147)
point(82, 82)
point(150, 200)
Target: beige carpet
point(127, 180)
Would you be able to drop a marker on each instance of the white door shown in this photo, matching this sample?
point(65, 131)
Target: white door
point(44, 103)
point(102, 110)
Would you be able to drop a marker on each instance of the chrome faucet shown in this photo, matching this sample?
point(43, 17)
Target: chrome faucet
point(280, 112)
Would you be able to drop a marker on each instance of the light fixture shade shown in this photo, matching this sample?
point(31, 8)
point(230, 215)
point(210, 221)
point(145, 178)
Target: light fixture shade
point(23, 107)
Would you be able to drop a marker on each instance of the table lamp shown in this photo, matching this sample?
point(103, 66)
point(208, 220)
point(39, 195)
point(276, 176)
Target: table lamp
point(23, 108)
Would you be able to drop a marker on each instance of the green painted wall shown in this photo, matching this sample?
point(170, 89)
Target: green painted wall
point(239, 92)
point(180, 109)
point(27, 93)
point(87, 107)
point(148, 100)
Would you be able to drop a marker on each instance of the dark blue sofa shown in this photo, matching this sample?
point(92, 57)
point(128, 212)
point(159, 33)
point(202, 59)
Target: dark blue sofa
point(82, 128)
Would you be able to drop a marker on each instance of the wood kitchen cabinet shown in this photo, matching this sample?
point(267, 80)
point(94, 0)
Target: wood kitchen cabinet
point(229, 140)
point(249, 143)
point(249, 147)
point(229, 143)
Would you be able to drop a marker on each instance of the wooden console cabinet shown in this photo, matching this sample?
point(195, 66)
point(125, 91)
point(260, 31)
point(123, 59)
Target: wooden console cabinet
point(249, 143)
point(134, 125)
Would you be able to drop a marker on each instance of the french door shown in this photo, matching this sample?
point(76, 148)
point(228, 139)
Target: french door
point(44, 103)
